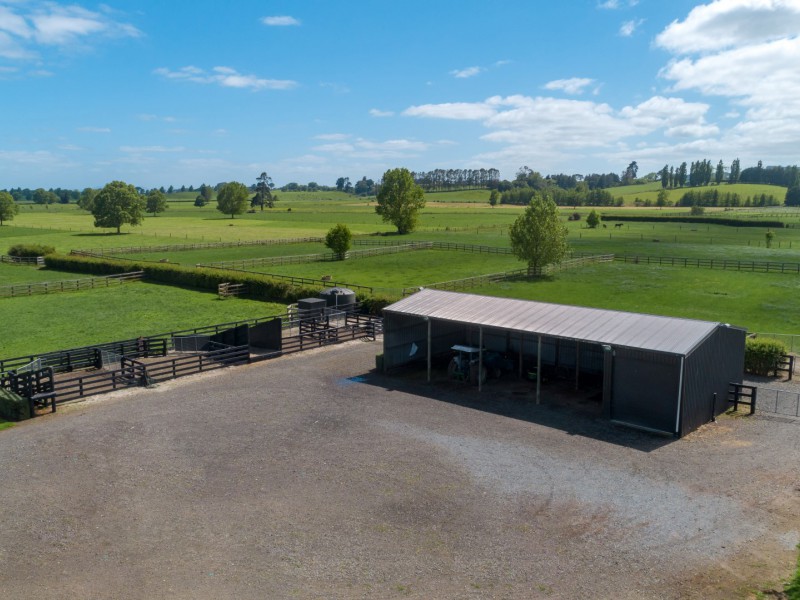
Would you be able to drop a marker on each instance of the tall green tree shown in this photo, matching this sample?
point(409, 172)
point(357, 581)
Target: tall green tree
point(399, 200)
point(156, 202)
point(42, 196)
point(537, 236)
point(663, 198)
point(792, 196)
point(232, 198)
point(8, 208)
point(664, 174)
point(263, 192)
point(592, 219)
point(117, 204)
point(720, 173)
point(736, 172)
point(86, 199)
point(338, 239)
point(494, 198)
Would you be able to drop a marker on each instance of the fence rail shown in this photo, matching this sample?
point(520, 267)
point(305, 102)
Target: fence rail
point(37, 261)
point(438, 246)
point(68, 285)
point(712, 263)
point(293, 280)
point(778, 401)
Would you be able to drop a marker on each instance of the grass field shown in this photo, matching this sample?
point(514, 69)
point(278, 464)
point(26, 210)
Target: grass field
point(757, 301)
point(57, 321)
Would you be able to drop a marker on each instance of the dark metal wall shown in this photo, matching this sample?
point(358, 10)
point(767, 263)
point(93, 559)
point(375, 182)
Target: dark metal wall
point(719, 360)
point(644, 389)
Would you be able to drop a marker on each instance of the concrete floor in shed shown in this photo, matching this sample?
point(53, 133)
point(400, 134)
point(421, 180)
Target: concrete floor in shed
point(311, 476)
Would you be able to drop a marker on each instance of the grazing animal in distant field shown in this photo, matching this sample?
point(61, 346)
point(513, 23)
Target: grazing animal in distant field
point(604, 225)
point(326, 278)
point(617, 225)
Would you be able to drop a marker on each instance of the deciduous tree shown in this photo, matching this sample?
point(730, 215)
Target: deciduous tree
point(338, 239)
point(399, 200)
point(592, 219)
point(264, 192)
point(156, 202)
point(538, 236)
point(232, 198)
point(116, 204)
point(494, 198)
point(8, 208)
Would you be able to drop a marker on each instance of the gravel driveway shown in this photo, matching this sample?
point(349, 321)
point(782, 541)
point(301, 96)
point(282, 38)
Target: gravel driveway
point(310, 476)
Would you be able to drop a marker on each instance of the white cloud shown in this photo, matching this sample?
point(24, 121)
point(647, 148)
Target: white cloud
point(363, 148)
point(451, 110)
point(628, 28)
point(375, 112)
point(616, 4)
point(225, 77)
point(280, 21)
point(91, 129)
point(466, 73)
point(574, 85)
point(26, 27)
point(729, 23)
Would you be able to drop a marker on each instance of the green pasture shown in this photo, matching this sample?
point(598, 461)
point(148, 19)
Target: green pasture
point(36, 324)
point(757, 301)
point(649, 191)
point(16, 274)
point(390, 273)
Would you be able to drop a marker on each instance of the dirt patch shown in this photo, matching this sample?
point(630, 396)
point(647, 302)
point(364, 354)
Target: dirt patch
point(311, 476)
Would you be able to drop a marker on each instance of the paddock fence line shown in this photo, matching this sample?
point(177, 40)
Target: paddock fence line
point(293, 280)
point(439, 246)
point(68, 285)
point(712, 263)
point(778, 402)
point(200, 246)
point(792, 340)
point(480, 280)
point(28, 261)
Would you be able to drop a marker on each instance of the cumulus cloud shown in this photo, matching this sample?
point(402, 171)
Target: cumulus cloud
point(729, 23)
point(628, 28)
point(375, 112)
point(574, 85)
point(280, 21)
point(466, 73)
point(225, 77)
point(332, 136)
point(27, 27)
point(451, 110)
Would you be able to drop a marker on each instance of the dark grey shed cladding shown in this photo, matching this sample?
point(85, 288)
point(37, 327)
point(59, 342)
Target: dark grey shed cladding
point(661, 372)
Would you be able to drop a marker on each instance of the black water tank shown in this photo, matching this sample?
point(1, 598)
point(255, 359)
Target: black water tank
point(311, 308)
point(338, 297)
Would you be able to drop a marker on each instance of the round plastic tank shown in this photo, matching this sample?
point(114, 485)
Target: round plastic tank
point(338, 297)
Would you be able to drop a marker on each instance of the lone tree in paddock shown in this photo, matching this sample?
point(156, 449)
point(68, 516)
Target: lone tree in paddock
point(8, 208)
point(537, 236)
point(232, 198)
point(338, 240)
point(399, 200)
point(116, 204)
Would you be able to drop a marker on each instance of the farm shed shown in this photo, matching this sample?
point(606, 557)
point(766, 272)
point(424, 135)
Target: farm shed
point(664, 374)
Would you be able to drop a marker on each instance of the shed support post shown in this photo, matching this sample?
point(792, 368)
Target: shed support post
point(608, 373)
point(539, 370)
point(429, 348)
point(480, 356)
point(577, 365)
point(521, 348)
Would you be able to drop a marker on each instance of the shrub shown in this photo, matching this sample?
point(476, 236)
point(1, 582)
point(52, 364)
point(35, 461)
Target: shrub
point(761, 355)
point(13, 407)
point(30, 250)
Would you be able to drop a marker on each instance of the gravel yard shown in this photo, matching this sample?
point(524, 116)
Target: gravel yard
point(310, 476)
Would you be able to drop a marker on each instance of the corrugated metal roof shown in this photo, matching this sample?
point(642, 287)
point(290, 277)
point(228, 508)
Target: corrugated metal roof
point(615, 328)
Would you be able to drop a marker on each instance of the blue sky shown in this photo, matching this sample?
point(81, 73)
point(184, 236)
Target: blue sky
point(177, 92)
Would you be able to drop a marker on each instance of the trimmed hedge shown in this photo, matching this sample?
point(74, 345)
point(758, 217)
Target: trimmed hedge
point(30, 250)
point(761, 355)
point(689, 219)
point(13, 407)
point(259, 287)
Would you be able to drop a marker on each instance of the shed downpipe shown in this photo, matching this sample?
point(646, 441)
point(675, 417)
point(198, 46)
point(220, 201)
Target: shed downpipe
point(680, 396)
point(429, 348)
point(480, 356)
point(539, 370)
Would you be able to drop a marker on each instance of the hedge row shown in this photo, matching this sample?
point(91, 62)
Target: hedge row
point(30, 250)
point(689, 219)
point(260, 287)
point(762, 355)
